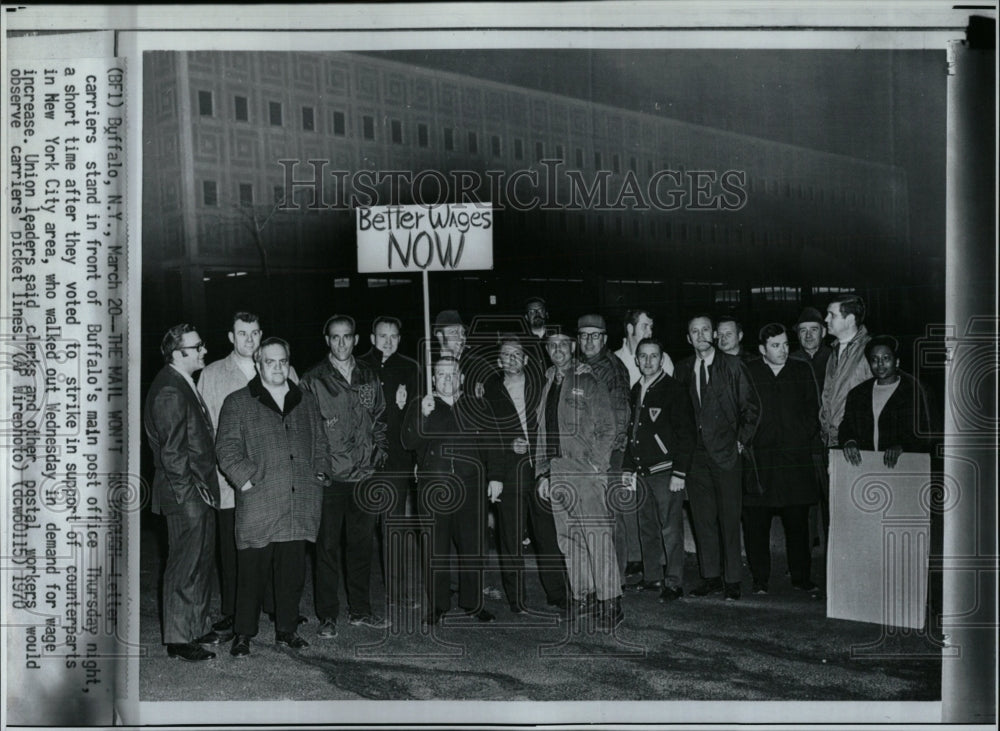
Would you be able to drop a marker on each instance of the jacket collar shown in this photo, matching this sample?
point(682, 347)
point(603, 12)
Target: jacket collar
point(259, 392)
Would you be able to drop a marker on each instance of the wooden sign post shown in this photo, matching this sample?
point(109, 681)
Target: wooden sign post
point(439, 238)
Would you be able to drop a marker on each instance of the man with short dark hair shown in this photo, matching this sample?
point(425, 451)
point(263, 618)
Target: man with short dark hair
point(847, 366)
point(399, 378)
point(592, 340)
point(351, 403)
point(726, 411)
point(638, 326)
point(658, 456)
point(185, 491)
point(536, 314)
point(272, 445)
point(783, 449)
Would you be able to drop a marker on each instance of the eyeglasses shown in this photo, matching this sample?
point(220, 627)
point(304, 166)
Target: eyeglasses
point(591, 337)
point(197, 346)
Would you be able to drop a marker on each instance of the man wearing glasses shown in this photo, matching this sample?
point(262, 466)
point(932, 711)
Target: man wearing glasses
point(185, 491)
point(592, 339)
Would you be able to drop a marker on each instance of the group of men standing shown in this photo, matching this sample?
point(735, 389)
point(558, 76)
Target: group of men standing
point(594, 451)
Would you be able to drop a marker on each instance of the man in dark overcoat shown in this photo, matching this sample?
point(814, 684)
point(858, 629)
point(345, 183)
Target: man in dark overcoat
point(457, 451)
point(785, 441)
point(185, 492)
point(272, 446)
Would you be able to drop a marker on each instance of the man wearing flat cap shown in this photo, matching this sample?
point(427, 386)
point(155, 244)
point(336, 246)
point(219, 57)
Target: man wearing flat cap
point(812, 349)
point(592, 341)
point(452, 339)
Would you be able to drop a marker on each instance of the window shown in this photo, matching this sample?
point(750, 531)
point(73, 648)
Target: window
point(368, 127)
point(246, 194)
point(518, 149)
point(579, 158)
point(209, 193)
point(241, 109)
point(308, 119)
point(539, 151)
point(422, 138)
point(449, 139)
point(473, 143)
point(205, 103)
point(396, 132)
point(274, 113)
point(339, 124)
point(495, 148)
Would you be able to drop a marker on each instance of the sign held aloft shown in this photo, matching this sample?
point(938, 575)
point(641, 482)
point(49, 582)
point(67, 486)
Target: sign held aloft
point(446, 237)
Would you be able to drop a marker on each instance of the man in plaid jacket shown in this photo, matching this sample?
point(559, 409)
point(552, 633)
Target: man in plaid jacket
point(272, 446)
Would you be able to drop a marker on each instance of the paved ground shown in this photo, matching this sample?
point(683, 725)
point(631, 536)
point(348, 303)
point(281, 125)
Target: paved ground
point(774, 647)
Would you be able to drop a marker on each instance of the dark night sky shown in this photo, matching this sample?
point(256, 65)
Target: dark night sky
point(883, 106)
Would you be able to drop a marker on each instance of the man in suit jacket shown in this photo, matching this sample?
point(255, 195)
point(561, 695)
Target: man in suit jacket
point(514, 396)
point(657, 458)
point(272, 445)
point(218, 380)
point(185, 491)
point(726, 411)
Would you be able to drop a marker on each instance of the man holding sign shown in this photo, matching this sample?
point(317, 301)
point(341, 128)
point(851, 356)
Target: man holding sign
point(456, 448)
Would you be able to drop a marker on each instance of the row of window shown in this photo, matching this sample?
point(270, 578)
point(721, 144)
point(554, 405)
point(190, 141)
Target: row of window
point(603, 224)
point(451, 141)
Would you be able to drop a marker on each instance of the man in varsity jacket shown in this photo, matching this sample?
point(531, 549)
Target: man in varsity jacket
point(661, 440)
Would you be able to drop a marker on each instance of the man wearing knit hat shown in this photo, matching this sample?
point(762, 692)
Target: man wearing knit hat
point(812, 348)
point(592, 340)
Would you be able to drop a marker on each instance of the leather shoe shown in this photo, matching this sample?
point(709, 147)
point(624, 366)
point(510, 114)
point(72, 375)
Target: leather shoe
point(733, 591)
point(516, 607)
point(290, 640)
point(224, 625)
point(241, 646)
point(760, 587)
point(327, 629)
point(611, 613)
point(633, 568)
point(212, 638)
point(804, 585)
point(708, 586)
point(189, 652)
point(649, 585)
point(670, 593)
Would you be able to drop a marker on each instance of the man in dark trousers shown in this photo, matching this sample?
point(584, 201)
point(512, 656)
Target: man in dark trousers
point(657, 458)
point(185, 492)
point(272, 446)
point(398, 376)
point(726, 411)
point(514, 396)
point(456, 451)
point(350, 399)
point(784, 443)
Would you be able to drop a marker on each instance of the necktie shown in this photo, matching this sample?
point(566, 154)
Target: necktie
point(703, 377)
point(204, 410)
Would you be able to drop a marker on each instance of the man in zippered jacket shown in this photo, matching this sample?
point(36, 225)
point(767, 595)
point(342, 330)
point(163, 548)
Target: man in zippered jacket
point(352, 405)
point(661, 440)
